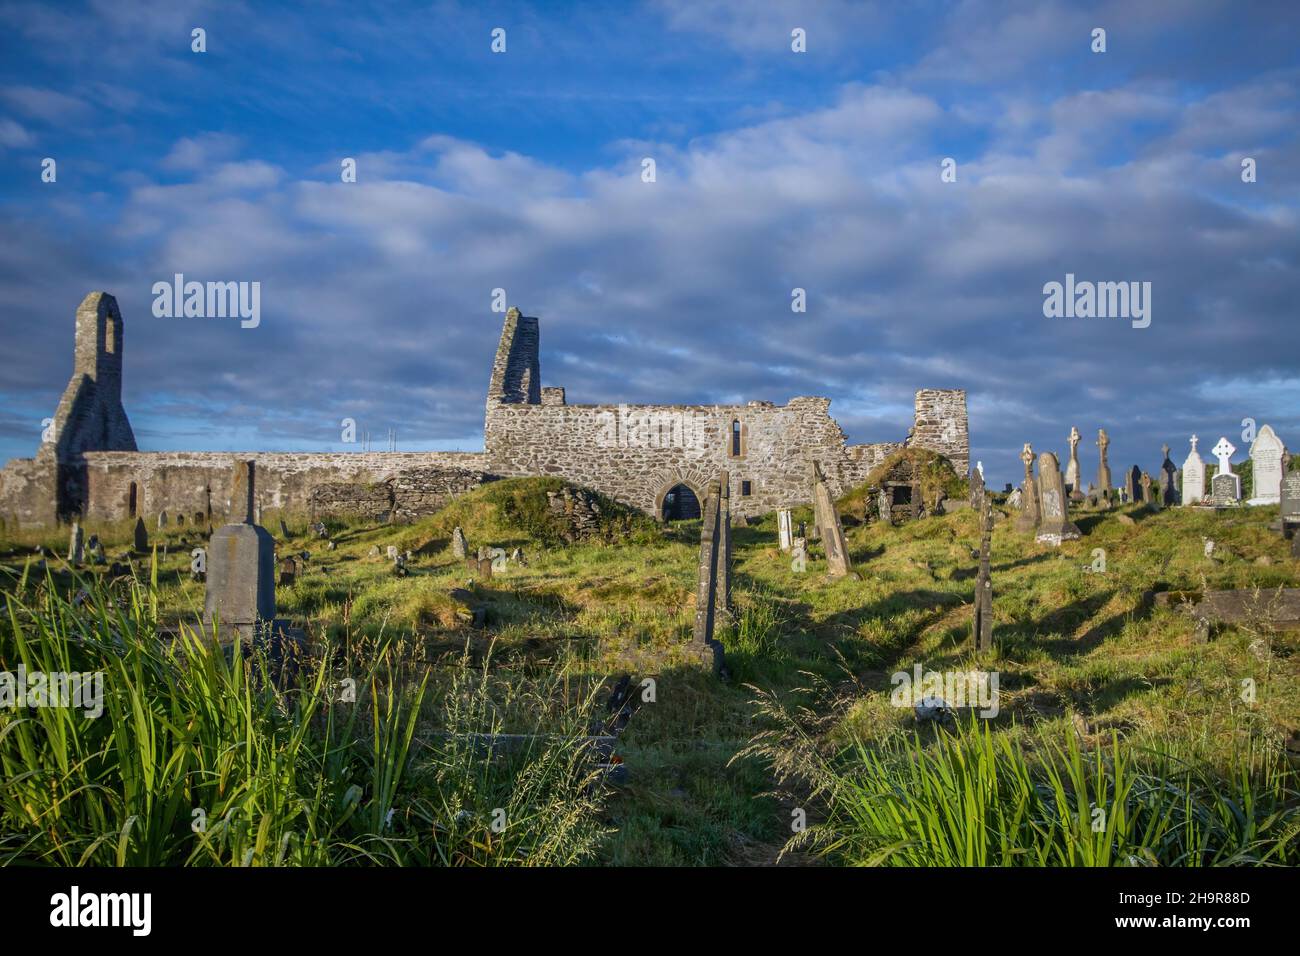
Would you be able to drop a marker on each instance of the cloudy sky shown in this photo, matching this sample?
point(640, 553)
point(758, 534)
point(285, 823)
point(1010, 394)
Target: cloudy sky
point(775, 170)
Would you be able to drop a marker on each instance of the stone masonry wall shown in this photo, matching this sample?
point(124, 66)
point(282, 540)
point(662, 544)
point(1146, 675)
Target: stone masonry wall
point(199, 482)
point(941, 425)
point(636, 453)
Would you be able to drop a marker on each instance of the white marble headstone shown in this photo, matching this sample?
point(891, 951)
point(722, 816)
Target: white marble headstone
point(1266, 467)
point(1193, 476)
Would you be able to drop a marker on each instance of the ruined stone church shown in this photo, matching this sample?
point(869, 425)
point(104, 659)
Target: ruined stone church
point(658, 458)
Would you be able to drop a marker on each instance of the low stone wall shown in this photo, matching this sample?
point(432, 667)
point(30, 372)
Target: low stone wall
point(423, 491)
point(199, 482)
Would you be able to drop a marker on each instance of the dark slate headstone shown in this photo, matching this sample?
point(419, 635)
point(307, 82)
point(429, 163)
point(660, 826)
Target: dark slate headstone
point(141, 536)
point(1133, 484)
point(1225, 489)
point(1290, 506)
point(1168, 480)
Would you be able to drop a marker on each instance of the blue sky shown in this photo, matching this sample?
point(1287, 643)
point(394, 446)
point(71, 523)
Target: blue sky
point(775, 170)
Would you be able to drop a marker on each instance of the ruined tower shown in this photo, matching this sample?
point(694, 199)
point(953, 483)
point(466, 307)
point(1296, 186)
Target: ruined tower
point(516, 371)
point(90, 416)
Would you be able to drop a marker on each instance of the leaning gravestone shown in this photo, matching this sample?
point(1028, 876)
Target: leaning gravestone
point(828, 519)
point(141, 542)
point(459, 546)
point(1055, 526)
point(982, 620)
point(709, 580)
point(240, 567)
point(284, 529)
point(75, 547)
point(1193, 476)
point(1266, 467)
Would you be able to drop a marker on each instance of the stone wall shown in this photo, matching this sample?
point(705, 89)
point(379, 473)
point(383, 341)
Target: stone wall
point(199, 482)
point(941, 425)
point(412, 493)
point(632, 453)
point(636, 453)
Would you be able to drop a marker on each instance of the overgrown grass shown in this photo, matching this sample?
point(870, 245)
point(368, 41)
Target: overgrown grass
point(976, 797)
point(198, 761)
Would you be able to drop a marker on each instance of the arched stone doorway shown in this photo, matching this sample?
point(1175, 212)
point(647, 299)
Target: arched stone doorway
point(679, 504)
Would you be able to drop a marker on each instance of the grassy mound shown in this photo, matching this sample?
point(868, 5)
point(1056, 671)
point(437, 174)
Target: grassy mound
point(515, 510)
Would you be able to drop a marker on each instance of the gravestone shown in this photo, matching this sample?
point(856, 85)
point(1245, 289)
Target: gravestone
point(459, 547)
point(75, 547)
point(284, 529)
point(1133, 484)
point(180, 520)
point(799, 554)
point(982, 619)
point(828, 519)
point(1266, 468)
point(240, 567)
point(783, 529)
point(1225, 487)
point(374, 551)
point(1290, 499)
point(1103, 469)
point(977, 490)
point(1013, 498)
point(1072, 469)
point(162, 520)
point(391, 552)
point(722, 593)
point(1144, 483)
point(1290, 507)
point(141, 543)
point(1193, 476)
point(1030, 514)
point(883, 506)
point(1168, 480)
point(1055, 525)
point(1225, 490)
point(703, 644)
point(288, 572)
